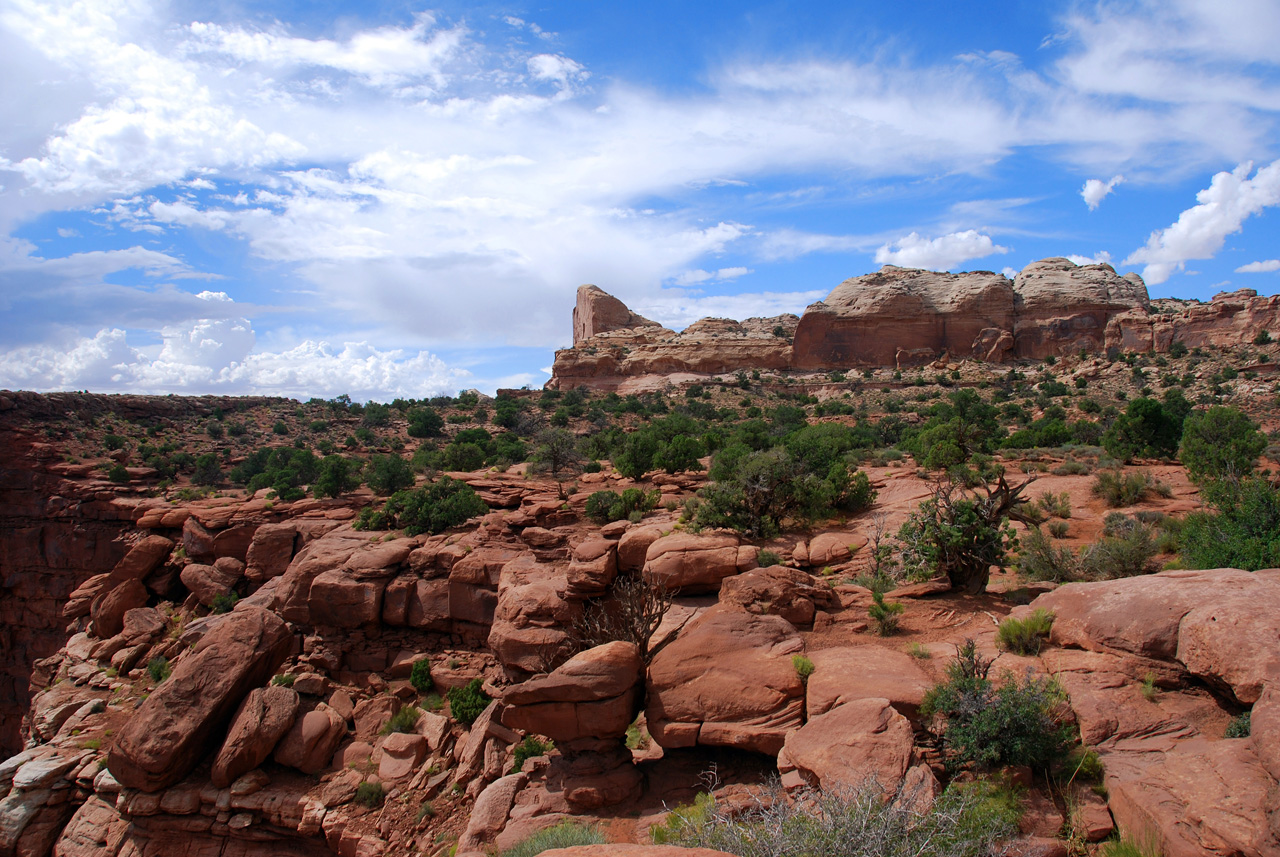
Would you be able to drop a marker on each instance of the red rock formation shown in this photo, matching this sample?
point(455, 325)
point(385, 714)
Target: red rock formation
point(1230, 318)
point(597, 311)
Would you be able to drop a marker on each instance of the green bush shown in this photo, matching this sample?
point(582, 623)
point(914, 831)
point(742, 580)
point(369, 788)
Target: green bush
point(1128, 554)
point(1147, 428)
point(118, 474)
point(387, 474)
point(969, 820)
point(433, 508)
point(531, 747)
point(284, 679)
point(468, 702)
point(337, 476)
point(159, 669)
point(606, 506)
point(1040, 559)
point(566, 834)
point(207, 470)
point(804, 666)
point(1239, 727)
point(420, 676)
point(1123, 489)
point(1025, 636)
point(224, 602)
point(403, 720)
point(1243, 532)
point(1016, 723)
point(1220, 443)
point(767, 558)
point(370, 795)
point(885, 614)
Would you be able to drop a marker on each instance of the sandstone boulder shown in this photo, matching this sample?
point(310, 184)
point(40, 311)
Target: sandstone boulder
point(777, 591)
point(851, 673)
point(400, 755)
point(860, 740)
point(270, 552)
point(594, 566)
point(633, 546)
point(533, 617)
point(108, 610)
point(1061, 307)
point(594, 694)
point(596, 311)
point(264, 717)
point(172, 730)
point(142, 559)
point(207, 582)
point(727, 680)
point(691, 563)
point(310, 744)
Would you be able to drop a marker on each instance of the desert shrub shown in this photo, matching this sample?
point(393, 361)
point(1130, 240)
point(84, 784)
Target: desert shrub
point(113, 442)
point(1129, 553)
point(403, 720)
point(1263, 337)
point(767, 558)
point(531, 747)
point(433, 508)
point(566, 834)
point(118, 474)
point(420, 676)
point(1059, 529)
point(388, 474)
point(1239, 727)
point(885, 614)
point(962, 533)
point(279, 427)
point(159, 669)
point(1147, 428)
point(283, 680)
point(1015, 723)
point(1040, 559)
point(1082, 764)
point(1130, 848)
point(1220, 443)
point(764, 489)
point(424, 422)
point(1055, 505)
point(224, 602)
point(207, 470)
point(967, 820)
point(370, 795)
point(605, 506)
point(1243, 532)
point(1025, 636)
point(467, 702)
point(804, 667)
point(1123, 489)
point(337, 476)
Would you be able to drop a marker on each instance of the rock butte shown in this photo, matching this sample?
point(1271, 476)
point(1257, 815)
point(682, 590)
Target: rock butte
point(903, 317)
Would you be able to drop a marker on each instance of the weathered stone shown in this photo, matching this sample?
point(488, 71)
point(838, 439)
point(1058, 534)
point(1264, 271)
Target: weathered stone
point(309, 745)
point(264, 717)
point(173, 728)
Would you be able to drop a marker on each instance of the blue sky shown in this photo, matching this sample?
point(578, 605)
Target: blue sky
point(312, 198)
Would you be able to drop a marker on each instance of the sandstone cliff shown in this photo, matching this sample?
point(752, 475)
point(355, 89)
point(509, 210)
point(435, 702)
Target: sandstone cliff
point(901, 317)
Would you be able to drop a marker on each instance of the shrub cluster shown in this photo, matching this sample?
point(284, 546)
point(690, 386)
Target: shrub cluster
point(467, 702)
point(433, 508)
point(606, 506)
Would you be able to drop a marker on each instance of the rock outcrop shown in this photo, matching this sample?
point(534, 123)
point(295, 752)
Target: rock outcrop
point(902, 317)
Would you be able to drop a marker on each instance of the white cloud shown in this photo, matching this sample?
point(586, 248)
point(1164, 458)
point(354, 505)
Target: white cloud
point(1095, 190)
point(937, 254)
point(1009, 272)
point(1101, 258)
point(557, 69)
point(1201, 230)
point(216, 356)
point(696, 276)
point(1263, 267)
point(678, 311)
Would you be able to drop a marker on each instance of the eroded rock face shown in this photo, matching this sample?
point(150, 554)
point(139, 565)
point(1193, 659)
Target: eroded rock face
point(1222, 624)
point(901, 317)
point(597, 311)
point(727, 681)
point(264, 717)
point(174, 727)
point(592, 695)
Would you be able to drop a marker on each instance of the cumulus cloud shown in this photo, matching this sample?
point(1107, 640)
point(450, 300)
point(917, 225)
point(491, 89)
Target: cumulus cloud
point(1201, 230)
point(1101, 258)
point(214, 355)
point(1264, 267)
point(1095, 190)
point(937, 254)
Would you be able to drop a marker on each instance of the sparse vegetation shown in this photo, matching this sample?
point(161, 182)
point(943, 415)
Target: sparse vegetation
point(403, 720)
point(886, 615)
point(1025, 636)
point(1239, 727)
point(370, 795)
point(529, 748)
point(467, 702)
point(158, 668)
point(420, 676)
point(566, 834)
point(804, 666)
